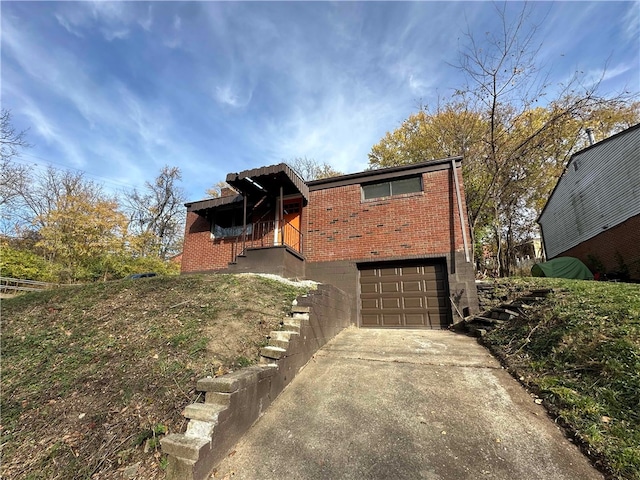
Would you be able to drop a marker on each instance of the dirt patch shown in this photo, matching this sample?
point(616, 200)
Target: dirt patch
point(93, 376)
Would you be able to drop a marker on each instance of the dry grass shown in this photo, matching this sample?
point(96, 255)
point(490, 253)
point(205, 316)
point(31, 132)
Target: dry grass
point(93, 375)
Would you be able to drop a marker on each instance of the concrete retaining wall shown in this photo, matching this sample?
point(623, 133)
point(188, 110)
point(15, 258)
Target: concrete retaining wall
point(235, 401)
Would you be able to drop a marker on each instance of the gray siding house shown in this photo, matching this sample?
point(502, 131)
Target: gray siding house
point(594, 211)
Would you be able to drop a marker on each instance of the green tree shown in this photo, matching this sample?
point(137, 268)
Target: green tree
point(26, 264)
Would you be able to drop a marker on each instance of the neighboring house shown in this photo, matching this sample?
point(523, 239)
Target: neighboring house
point(529, 252)
point(594, 211)
point(395, 239)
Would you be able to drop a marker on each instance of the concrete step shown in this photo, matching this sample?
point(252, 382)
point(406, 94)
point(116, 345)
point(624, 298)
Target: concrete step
point(281, 338)
point(231, 382)
point(299, 309)
point(205, 412)
point(200, 429)
point(291, 324)
point(282, 334)
point(218, 398)
point(181, 446)
point(274, 342)
point(274, 353)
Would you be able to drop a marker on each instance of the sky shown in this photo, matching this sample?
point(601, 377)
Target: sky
point(119, 89)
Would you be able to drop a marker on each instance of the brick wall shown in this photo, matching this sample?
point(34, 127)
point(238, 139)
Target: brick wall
point(200, 251)
point(620, 243)
point(339, 225)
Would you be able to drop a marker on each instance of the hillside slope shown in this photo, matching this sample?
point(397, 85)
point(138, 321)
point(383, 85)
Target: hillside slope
point(579, 350)
point(93, 375)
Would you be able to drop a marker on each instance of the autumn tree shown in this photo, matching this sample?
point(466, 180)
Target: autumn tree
point(505, 84)
point(157, 214)
point(82, 234)
point(216, 190)
point(515, 129)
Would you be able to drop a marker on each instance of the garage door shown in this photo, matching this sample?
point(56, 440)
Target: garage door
point(411, 296)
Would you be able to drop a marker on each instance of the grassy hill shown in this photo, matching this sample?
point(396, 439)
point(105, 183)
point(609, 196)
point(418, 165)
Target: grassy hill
point(580, 352)
point(92, 376)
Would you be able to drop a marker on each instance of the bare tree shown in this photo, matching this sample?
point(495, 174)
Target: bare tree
point(11, 141)
point(157, 214)
point(310, 169)
point(48, 187)
point(13, 176)
point(505, 83)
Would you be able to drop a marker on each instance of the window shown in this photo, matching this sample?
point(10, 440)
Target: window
point(222, 232)
point(228, 223)
point(392, 187)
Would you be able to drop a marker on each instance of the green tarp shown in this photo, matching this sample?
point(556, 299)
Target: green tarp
point(562, 267)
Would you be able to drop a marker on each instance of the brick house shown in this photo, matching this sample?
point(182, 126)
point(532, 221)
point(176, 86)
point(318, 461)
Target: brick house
point(593, 212)
point(396, 240)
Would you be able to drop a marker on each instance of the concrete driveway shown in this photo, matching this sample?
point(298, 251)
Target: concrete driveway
point(404, 404)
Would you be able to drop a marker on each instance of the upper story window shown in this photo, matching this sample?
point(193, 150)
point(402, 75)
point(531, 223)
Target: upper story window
point(392, 187)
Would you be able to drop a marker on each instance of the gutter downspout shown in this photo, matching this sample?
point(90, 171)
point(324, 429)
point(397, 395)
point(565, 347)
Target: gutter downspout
point(460, 212)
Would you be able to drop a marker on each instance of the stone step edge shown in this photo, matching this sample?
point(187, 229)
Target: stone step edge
point(189, 446)
point(181, 446)
point(205, 412)
point(232, 382)
point(273, 352)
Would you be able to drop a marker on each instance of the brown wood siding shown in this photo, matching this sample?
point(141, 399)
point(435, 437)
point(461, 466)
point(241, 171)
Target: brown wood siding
point(409, 296)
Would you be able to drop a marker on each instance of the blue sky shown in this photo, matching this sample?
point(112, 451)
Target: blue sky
point(119, 89)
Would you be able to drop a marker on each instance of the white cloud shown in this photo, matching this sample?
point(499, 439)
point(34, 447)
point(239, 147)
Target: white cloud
point(340, 130)
point(40, 124)
point(172, 43)
point(111, 35)
point(232, 96)
point(252, 83)
point(631, 23)
point(53, 135)
point(147, 21)
point(146, 120)
point(68, 26)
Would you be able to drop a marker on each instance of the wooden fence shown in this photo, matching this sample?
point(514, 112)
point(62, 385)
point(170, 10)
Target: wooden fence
point(15, 285)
